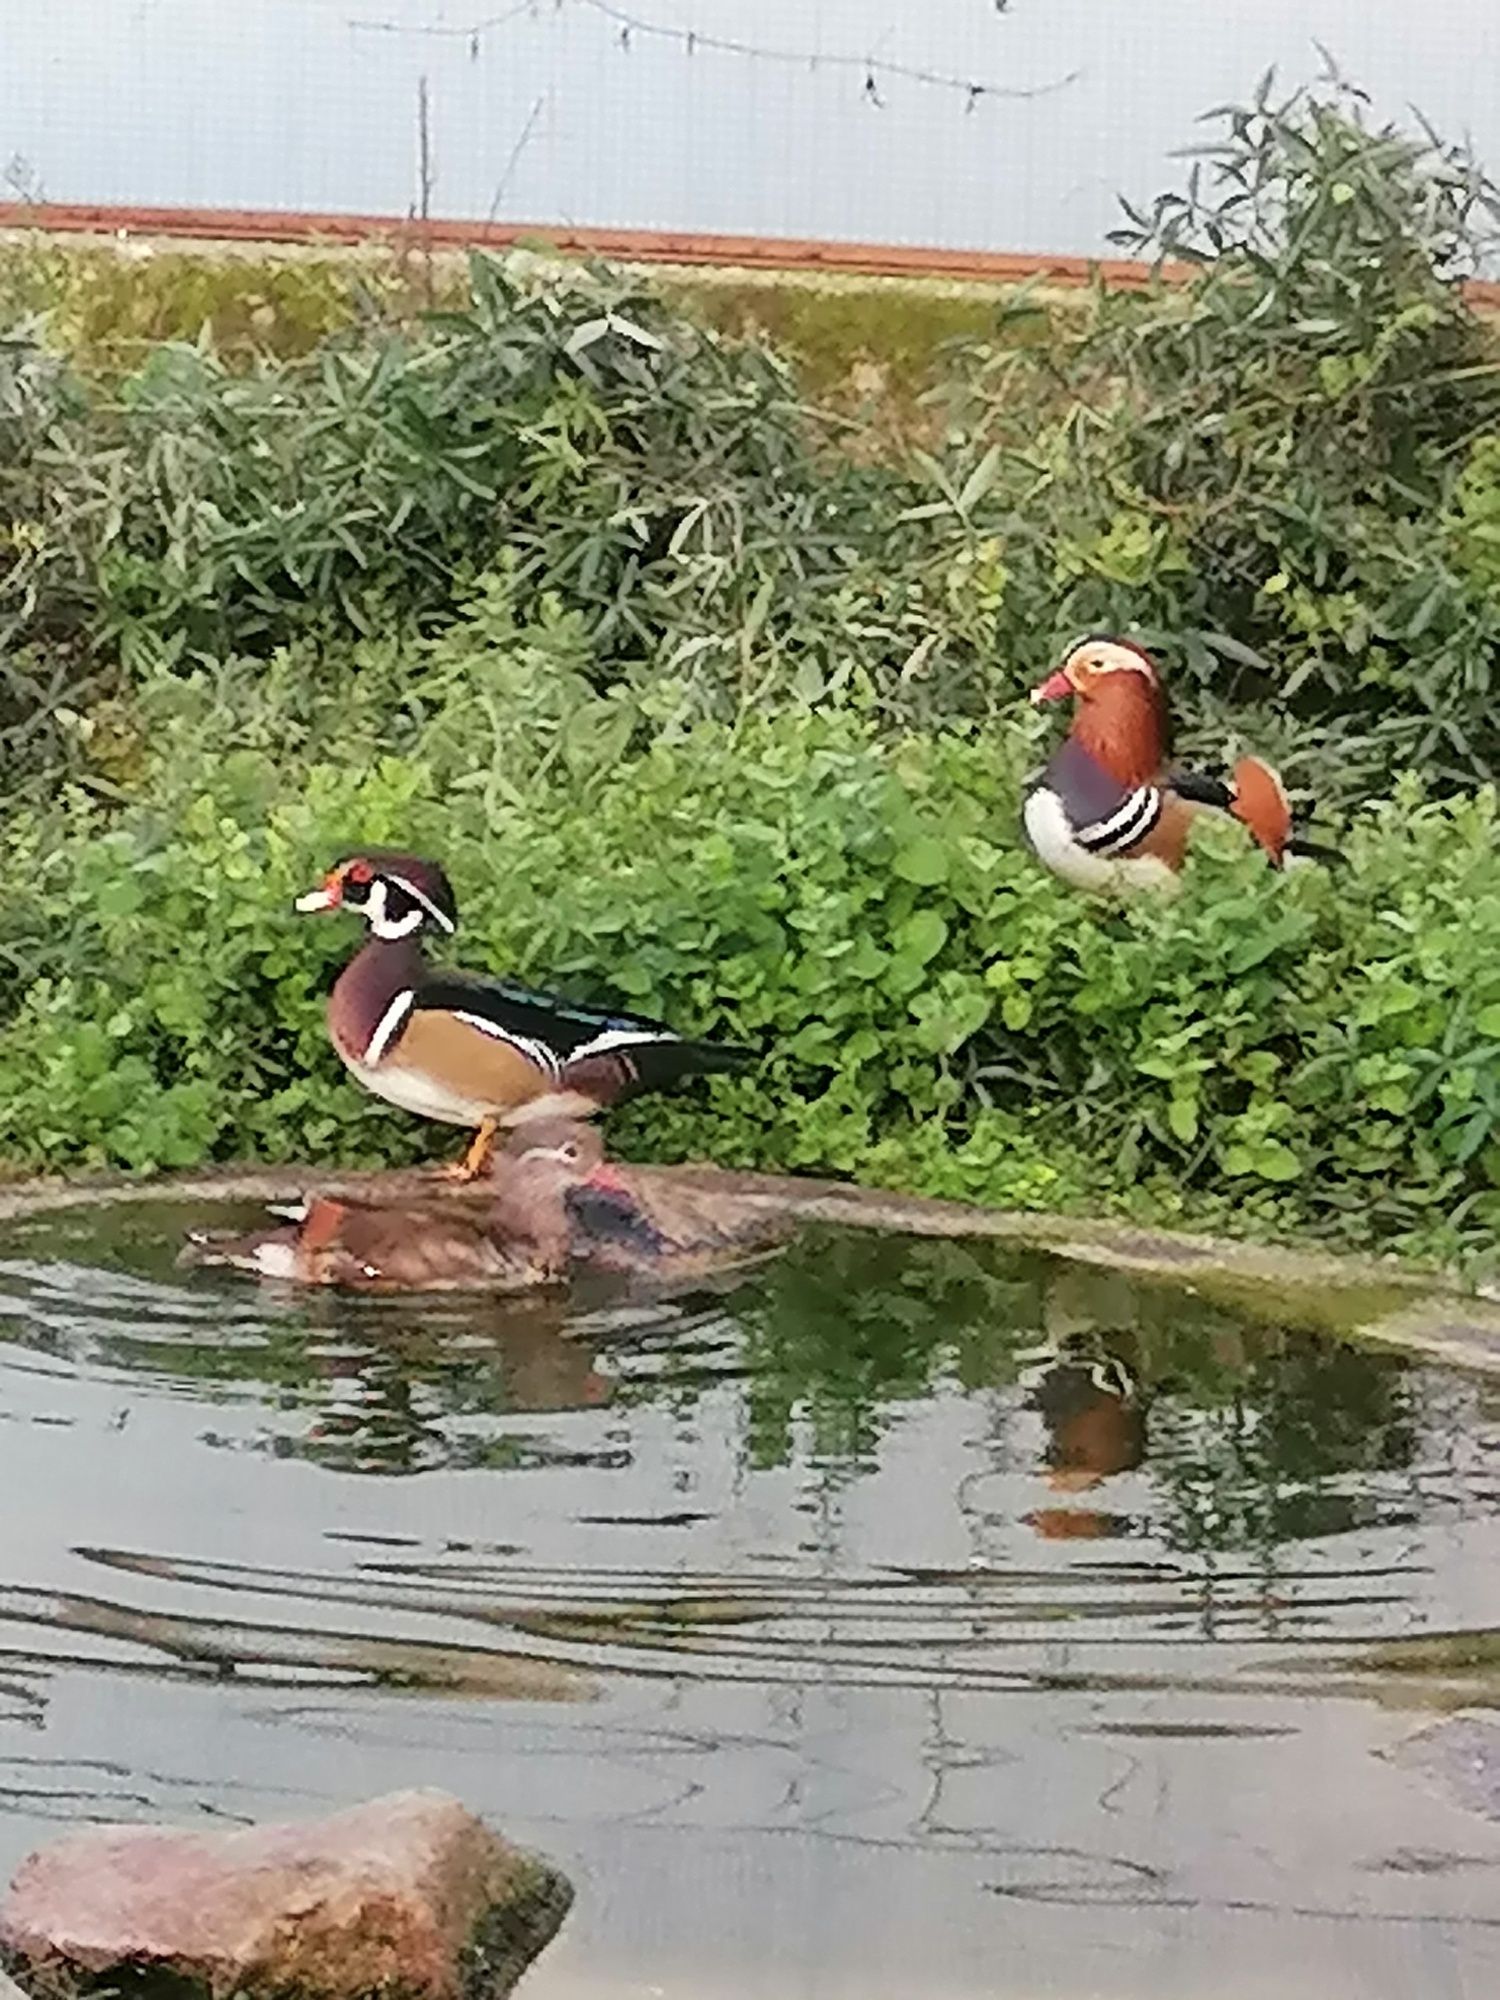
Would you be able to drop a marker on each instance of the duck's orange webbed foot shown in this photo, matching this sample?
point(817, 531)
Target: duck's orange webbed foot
point(476, 1161)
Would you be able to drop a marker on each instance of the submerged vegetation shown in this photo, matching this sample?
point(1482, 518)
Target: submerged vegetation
point(711, 705)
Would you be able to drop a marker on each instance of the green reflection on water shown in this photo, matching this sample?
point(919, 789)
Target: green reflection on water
point(1240, 1434)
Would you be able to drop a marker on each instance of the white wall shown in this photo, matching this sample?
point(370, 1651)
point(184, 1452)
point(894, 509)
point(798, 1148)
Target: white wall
point(305, 104)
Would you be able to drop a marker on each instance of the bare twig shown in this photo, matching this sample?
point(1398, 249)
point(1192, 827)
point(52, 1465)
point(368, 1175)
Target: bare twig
point(630, 25)
point(515, 155)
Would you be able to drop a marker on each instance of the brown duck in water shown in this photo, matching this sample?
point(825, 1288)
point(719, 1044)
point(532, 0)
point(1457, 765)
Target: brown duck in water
point(516, 1235)
point(550, 1204)
point(623, 1221)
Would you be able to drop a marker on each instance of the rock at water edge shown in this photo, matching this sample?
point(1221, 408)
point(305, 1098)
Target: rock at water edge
point(408, 1893)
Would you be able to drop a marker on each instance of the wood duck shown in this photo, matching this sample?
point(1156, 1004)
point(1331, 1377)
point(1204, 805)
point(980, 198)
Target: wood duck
point(485, 1053)
point(1109, 813)
point(517, 1234)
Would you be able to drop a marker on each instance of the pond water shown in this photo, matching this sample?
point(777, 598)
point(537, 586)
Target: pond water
point(896, 1618)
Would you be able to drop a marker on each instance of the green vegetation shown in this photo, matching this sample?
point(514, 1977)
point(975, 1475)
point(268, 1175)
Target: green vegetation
point(712, 709)
point(106, 306)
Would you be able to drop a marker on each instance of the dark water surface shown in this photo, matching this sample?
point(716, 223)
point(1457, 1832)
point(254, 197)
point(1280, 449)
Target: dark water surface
point(898, 1619)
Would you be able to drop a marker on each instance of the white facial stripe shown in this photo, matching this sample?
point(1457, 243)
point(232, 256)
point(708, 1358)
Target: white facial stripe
point(390, 1024)
point(1104, 657)
point(419, 896)
point(620, 1038)
point(534, 1052)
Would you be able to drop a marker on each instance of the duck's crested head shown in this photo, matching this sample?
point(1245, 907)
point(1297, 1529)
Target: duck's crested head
point(532, 1173)
point(1090, 664)
point(397, 894)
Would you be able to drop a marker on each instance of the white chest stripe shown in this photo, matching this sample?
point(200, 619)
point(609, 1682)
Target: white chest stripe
point(1129, 822)
point(534, 1052)
point(1051, 834)
point(390, 1024)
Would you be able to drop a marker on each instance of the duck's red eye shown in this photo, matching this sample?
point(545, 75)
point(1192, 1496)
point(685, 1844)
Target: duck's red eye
point(359, 872)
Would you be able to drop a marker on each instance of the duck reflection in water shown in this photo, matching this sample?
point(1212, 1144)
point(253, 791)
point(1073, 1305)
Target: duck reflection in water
point(1091, 1402)
point(405, 1391)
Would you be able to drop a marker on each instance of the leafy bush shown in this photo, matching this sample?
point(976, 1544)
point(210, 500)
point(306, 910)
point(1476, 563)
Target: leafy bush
point(652, 481)
point(1283, 473)
point(1313, 1051)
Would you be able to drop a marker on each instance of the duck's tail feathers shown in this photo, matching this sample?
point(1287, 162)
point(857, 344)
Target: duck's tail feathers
point(269, 1253)
point(665, 1062)
point(622, 1062)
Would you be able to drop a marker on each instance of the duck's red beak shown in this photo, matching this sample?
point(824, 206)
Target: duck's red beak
point(328, 897)
point(1056, 687)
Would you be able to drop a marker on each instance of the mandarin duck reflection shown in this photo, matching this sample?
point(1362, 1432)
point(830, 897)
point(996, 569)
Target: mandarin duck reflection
point(1095, 1419)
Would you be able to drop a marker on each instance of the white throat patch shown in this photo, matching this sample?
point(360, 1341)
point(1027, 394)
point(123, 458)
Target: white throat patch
point(383, 926)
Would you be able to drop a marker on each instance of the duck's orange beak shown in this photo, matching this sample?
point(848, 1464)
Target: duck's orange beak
point(326, 898)
point(1056, 687)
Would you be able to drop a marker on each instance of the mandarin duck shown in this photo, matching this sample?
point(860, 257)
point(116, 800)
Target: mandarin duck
point(1094, 1415)
point(1109, 813)
point(517, 1235)
point(481, 1052)
point(623, 1220)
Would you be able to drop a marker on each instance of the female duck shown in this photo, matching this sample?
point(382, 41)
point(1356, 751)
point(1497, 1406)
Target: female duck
point(517, 1235)
point(550, 1205)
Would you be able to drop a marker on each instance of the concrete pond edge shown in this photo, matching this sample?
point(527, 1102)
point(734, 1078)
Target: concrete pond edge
point(1367, 1299)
